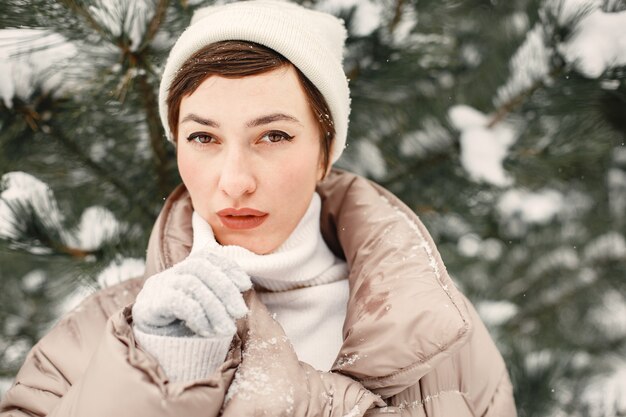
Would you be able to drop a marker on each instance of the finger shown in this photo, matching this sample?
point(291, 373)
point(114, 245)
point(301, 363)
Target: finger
point(209, 261)
point(152, 306)
point(222, 286)
point(211, 318)
point(227, 293)
point(232, 270)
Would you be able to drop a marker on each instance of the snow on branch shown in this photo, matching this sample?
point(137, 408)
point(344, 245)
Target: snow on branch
point(562, 258)
point(28, 60)
point(609, 314)
point(25, 200)
point(432, 137)
point(616, 180)
point(598, 43)
point(120, 269)
point(495, 313)
point(483, 148)
point(530, 207)
point(606, 395)
point(97, 225)
point(607, 247)
point(30, 219)
point(567, 12)
point(124, 18)
point(367, 160)
point(529, 67)
point(367, 14)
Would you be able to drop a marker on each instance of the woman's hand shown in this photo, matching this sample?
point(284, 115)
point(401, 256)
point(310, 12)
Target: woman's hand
point(199, 296)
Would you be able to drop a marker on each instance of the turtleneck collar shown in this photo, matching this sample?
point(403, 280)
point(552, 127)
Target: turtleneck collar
point(303, 260)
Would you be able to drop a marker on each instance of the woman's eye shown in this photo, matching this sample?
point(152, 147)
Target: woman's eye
point(276, 136)
point(201, 138)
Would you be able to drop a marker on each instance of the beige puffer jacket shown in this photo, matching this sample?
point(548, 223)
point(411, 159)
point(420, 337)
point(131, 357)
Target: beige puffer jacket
point(413, 344)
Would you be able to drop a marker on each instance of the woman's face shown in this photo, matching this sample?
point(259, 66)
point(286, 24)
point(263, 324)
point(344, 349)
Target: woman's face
point(248, 151)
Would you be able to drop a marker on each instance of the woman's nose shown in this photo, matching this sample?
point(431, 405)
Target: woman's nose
point(236, 176)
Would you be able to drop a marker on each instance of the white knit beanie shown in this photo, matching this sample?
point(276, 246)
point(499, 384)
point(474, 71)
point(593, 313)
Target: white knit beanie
point(313, 41)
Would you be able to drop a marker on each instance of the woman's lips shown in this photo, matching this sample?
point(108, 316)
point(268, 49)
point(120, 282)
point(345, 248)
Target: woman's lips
point(241, 219)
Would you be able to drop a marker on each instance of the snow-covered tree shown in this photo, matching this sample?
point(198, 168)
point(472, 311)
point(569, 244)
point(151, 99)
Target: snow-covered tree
point(501, 123)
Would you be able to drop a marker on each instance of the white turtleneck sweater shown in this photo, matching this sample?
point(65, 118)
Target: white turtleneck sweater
point(302, 284)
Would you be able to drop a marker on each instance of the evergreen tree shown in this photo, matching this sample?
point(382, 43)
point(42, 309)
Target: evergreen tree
point(501, 123)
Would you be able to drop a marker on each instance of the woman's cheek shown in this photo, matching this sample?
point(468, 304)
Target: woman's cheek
point(184, 167)
point(191, 171)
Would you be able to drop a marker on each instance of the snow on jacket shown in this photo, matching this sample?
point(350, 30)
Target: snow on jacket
point(413, 344)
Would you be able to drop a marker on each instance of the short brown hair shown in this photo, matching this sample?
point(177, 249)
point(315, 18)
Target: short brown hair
point(239, 59)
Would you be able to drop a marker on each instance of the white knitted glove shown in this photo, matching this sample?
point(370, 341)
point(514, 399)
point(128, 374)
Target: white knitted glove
point(200, 296)
point(185, 316)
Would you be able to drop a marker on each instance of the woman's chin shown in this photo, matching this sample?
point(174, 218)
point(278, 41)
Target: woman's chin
point(260, 246)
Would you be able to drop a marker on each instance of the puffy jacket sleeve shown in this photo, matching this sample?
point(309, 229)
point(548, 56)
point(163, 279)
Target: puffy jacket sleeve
point(89, 365)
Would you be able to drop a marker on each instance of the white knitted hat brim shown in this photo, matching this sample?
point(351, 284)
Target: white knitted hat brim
point(313, 41)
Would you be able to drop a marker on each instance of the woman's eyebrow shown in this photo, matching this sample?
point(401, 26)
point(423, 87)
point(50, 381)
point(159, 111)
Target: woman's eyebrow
point(259, 121)
point(203, 121)
point(274, 117)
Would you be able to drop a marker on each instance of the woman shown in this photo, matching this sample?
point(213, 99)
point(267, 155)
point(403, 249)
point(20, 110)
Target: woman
point(273, 285)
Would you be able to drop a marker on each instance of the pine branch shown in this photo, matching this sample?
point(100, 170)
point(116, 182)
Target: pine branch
point(156, 21)
point(157, 141)
point(508, 107)
point(81, 11)
point(137, 60)
point(62, 249)
point(397, 16)
point(99, 170)
point(601, 347)
point(416, 166)
point(33, 231)
point(549, 305)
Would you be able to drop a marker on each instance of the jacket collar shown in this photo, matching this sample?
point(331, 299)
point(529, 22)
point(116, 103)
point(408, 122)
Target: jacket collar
point(404, 313)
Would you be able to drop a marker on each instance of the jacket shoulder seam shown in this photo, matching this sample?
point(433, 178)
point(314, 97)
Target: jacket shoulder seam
point(433, 261)
point(436, 265)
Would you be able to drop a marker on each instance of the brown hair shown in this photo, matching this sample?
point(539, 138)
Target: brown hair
point(239, 59)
